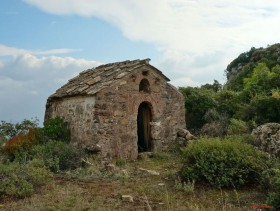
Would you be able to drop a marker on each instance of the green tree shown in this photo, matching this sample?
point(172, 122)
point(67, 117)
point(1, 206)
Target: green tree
point(197, 102)
point(9, 130)
point(216, 86)
point(259, 81)
point(264, 109)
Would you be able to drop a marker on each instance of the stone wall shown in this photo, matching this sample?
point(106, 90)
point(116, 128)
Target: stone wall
point(79, 113)
point(120, 104)
point(173, 115)
point(109, 119)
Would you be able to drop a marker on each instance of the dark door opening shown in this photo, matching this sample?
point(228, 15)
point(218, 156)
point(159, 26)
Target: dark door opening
point(144, 128)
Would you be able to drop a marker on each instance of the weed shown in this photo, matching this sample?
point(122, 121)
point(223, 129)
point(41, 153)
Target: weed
point(21, 180)
point(186, 186)
point(121, 162)
point(161, 155)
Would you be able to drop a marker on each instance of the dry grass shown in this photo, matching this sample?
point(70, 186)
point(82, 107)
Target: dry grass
point(95, 189)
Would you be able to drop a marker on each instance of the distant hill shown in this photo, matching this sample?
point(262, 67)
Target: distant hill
point(243, 65)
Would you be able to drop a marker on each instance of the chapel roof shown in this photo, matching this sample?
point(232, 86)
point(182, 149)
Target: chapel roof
point(93, 80)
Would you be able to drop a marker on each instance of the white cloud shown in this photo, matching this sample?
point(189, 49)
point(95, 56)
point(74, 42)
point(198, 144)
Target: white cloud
point(196, 26)
point(27, 80)
point(199, 32)
point(12, 51)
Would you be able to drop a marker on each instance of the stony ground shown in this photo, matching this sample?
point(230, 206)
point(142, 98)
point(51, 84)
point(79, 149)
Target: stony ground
point(150, 183)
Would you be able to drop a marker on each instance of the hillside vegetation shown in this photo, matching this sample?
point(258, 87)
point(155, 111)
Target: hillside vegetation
point(250, 97)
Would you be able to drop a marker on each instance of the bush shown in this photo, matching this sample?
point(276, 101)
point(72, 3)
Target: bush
point(56, 129)
point(244, 138)
point(214, 129)
point(57, 155)
point(21, 180)
point(216, 124)
point(274, 195)
point(22, 141)
point(237, 126)
point(222, 163)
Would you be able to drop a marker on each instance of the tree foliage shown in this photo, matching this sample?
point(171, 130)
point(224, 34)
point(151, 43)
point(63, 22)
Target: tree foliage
point(251, 94)
point(197, 102)
point(9, 130)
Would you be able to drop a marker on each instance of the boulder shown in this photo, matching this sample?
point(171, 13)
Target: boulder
point(183, 133)
point(267, 138)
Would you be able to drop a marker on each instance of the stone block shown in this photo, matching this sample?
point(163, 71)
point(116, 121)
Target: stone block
point(118, 113)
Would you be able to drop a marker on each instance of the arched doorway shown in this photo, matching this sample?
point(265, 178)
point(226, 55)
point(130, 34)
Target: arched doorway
point(144, 118)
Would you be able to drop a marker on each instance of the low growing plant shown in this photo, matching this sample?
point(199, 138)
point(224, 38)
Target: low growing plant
point(274, 196)
point(21, 180)
point(186, 186)
point(57, 155)
point(222, 163)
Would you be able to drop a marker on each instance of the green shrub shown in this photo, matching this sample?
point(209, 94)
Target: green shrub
point(56, 129)
point(21, 180)
point(57, 155)
point(222, 163)
point(245, 138)
point(274, 195)
point(237, 126)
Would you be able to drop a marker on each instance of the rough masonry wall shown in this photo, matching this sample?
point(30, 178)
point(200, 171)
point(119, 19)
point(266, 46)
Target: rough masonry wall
point(173, 115)
point(79, 113)
point(117, 109)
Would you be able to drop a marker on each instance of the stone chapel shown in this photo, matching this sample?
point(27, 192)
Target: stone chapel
point(121, 109)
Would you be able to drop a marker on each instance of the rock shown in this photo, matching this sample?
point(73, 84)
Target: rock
point(127, 198)
point(110, 167)
point(161, 184)
point(124, 173)
point(267, 138)
point(183, 133)
point(94, 149)
point(151, 172)
point(190, 136)
point(145, 155)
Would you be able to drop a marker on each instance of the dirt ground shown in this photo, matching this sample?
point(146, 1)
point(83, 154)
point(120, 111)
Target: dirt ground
point(150, 183)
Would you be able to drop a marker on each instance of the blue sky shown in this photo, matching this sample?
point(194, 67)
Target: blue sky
point(45, 43)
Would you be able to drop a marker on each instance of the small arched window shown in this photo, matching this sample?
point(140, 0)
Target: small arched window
point(144, 86)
